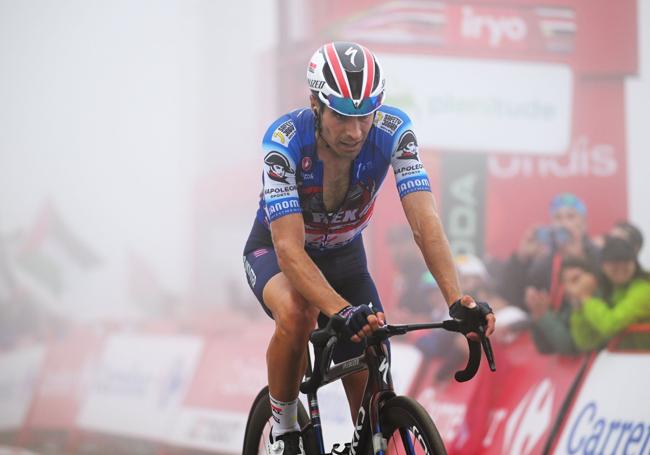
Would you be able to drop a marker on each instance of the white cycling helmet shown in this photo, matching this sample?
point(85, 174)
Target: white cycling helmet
point(347, 78)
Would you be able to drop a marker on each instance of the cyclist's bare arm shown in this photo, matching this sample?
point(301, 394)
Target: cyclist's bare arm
point(425, 223)
point(288, 235)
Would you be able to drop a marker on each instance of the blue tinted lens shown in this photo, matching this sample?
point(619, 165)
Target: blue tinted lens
point(345, 106)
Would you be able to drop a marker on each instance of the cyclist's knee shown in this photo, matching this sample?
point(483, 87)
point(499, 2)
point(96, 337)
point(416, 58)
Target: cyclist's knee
point(295, 318)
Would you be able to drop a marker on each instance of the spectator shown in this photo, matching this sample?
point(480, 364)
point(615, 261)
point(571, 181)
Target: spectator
point(531, 276)
point(625, 297)
point(629, 232)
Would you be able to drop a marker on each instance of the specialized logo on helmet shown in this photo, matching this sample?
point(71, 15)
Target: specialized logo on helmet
point(284, 133)
point(407, 149)
point(352, 53)
point(278, 167)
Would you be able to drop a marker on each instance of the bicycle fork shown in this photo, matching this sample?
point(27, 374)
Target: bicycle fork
point(378, 389)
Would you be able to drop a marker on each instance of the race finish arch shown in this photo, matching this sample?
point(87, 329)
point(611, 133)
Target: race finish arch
point(512, 101)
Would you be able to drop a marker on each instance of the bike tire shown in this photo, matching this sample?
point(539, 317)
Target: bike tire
point(403, 419)
point(258, 425)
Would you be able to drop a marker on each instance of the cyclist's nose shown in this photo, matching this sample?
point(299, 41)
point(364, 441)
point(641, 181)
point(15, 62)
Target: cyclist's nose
point(354, 129)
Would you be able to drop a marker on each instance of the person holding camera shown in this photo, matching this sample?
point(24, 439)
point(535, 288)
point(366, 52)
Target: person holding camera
point(531, 278)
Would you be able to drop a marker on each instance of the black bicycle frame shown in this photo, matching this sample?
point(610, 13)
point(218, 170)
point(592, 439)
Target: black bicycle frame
point(376, 359)
point(378, 388)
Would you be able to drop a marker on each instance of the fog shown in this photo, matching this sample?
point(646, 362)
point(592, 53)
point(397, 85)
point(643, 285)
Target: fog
point(130, 155)
point(113, 112)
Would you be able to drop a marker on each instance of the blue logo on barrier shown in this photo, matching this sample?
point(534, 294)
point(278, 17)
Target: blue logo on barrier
point(591, 434)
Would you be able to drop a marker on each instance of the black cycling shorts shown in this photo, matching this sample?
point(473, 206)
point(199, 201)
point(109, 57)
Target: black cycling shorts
point(346, 269)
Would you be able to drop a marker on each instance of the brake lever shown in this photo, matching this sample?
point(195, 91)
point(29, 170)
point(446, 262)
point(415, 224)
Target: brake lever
point(487, 348)
point(474, 360)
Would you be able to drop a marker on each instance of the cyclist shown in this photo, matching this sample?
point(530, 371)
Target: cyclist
point(304, 258)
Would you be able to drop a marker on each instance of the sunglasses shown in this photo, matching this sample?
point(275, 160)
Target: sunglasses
point(345, 106)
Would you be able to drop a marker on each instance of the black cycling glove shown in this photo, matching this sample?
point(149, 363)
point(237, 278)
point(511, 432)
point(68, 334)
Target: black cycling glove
point(355, 317)
point(473, 316)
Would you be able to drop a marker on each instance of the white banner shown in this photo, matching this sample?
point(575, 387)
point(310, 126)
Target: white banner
point(612, 412)
point(19, 371)
point(209, 429)
point(483, 105)
point(140, 384)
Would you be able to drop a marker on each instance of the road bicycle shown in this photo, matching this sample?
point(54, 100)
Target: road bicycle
point(386, 424)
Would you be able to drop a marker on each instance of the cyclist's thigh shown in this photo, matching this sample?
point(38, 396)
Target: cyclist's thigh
point(288, 307)
point(278, 297)
point(261, 265)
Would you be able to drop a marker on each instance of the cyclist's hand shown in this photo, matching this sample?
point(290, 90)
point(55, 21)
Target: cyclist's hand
point(361, 321)
point(467, 310)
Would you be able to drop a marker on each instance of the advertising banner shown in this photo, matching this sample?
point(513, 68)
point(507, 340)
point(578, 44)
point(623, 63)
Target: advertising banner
point(64, 381)
point(611, 413)
point(19, 372)
point(231, 373)
point(139, 384)
point(511, 411)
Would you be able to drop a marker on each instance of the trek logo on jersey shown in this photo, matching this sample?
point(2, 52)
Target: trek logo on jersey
point(278, 167)
point(407, 149)
point(387, 122)
point(284, 133)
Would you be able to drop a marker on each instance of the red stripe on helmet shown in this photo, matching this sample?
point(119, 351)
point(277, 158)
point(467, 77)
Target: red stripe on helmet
point(370, 72)
point(339, 74)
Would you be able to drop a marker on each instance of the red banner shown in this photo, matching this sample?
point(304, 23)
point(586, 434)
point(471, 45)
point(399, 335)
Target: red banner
point(510, 411)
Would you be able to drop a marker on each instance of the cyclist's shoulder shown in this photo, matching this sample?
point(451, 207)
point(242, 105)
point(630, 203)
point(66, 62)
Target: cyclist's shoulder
point(288, 126)
point(390, 120)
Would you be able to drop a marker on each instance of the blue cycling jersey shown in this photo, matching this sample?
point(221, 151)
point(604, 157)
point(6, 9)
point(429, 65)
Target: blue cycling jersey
point(293, 175)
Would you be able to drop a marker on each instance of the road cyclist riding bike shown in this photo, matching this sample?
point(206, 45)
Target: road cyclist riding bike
point(386, 423)
point(304, 258)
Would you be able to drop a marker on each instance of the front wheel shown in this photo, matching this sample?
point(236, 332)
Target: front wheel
point(409, 429)
point(258, 427)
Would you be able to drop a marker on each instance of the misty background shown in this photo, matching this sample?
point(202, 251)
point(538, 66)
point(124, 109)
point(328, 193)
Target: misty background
point(115, 114)
point(130, 167)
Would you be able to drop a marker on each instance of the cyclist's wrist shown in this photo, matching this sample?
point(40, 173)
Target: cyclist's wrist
point(345, 311)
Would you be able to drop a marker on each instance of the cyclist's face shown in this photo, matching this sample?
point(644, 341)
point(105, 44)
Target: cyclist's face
point(345, 135)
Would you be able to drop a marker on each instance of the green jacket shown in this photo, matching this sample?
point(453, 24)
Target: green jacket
point(597, 322)
point(551, 333)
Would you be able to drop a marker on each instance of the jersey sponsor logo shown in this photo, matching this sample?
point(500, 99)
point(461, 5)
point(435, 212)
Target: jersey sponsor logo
point(306, 164)
point(317, 85)
point(387, 122)
point(283, 207)
point(278, 167)
point(342, 216)
point(411, 169)
point(284, 133)
point(279, 190)
point(413, 184)
point(407, 148)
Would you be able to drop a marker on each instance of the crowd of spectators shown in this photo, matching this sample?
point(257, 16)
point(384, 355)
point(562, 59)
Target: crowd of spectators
point(574, 293)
